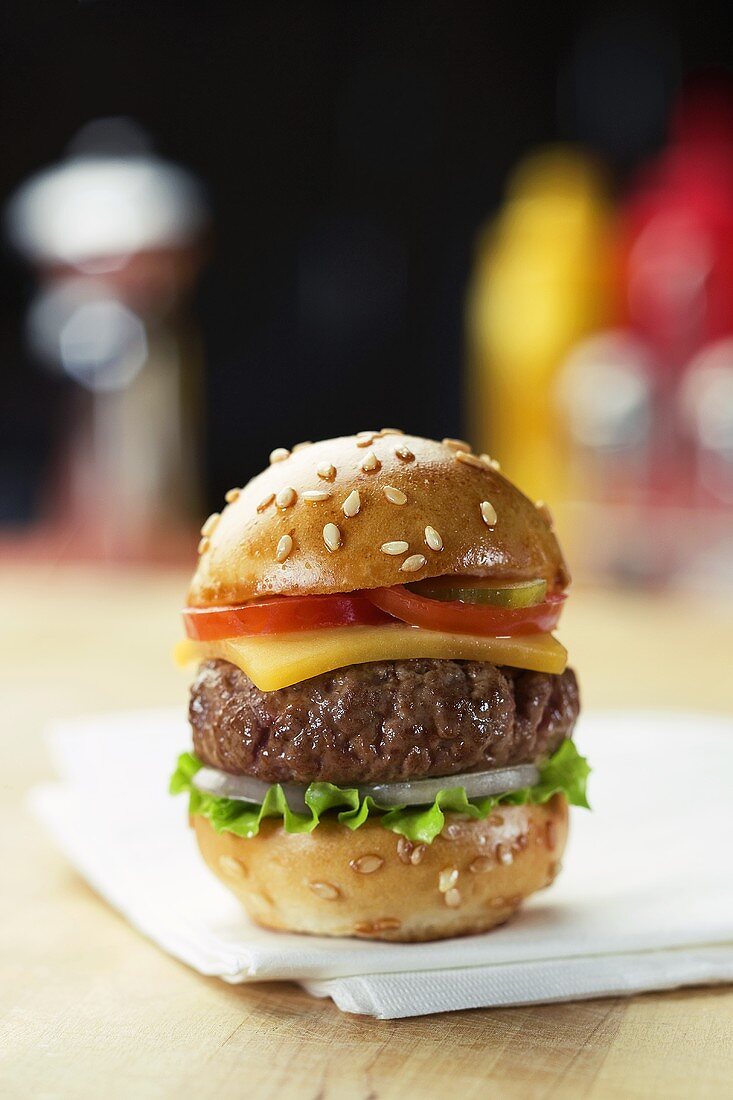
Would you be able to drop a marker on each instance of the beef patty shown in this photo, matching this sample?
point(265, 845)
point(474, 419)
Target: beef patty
point(380, 722)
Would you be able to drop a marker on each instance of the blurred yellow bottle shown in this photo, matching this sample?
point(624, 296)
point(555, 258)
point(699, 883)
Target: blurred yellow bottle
point(542, 280)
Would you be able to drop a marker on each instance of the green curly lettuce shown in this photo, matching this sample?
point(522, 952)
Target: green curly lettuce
point(564, 773)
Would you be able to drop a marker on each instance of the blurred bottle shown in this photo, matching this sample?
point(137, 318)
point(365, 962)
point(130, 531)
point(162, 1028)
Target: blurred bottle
point(676, 245)
point(115, 235)
point(649, 406)
point(543, 279)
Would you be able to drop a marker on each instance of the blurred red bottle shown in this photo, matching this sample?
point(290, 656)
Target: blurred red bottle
point(677, 263)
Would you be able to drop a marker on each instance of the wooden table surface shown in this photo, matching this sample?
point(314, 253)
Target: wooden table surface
point(89, 1008)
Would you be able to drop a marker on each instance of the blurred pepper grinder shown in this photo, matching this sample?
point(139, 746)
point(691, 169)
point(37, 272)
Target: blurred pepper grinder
point(116, 236)
point(541, 281)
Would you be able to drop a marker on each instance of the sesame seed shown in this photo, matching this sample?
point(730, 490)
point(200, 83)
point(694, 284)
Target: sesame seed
point(452, 832)
point(284, 548)
point(316, 494)
point(370, 463)
point(480, 864)
point(352, 504)
point(447, 878)
point(404, 849)
point(453, 899)
point(504, 854)
point(433, 539)
point(365, 439)
point(384, 924)
point(366, 865)
point(457, 444)
point(488, 513)
point(391, 431)
point(266, 502)
point(210, 525)
point(231, 495)
point(231, 866)
point(417, 854)
point(331, 537)
point(413, 563)
point(286, 497)
point(395, 496)
point(279, 455)
point(303, 445)
point(489, 461)
point(394, 548)
point(326, 471)
point(544, 511)
point(203, 546)
point(404, 453)
point(469, 459)
point(325, 890)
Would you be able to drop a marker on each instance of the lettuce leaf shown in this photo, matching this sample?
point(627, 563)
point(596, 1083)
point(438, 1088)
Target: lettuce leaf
point(565, 773)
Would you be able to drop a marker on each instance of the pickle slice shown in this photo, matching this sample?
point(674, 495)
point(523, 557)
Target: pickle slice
point(481, 590)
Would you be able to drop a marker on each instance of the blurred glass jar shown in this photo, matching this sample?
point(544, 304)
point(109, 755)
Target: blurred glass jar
point(706, 408)
point(606, 399)
point(605, 392)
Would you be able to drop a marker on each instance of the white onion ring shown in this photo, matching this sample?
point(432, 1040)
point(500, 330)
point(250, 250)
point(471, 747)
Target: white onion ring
point(415, 792)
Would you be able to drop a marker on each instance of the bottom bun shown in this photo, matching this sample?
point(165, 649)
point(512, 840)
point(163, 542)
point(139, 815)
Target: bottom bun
point(372, 883)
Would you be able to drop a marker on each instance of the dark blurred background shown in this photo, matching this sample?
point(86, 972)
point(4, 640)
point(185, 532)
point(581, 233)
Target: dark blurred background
point(342, 161)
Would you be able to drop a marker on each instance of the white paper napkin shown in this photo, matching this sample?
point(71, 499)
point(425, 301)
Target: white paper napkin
point(645, 899)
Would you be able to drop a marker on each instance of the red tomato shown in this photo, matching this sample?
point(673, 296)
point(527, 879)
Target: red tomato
point(280, 615)
point(464, 618)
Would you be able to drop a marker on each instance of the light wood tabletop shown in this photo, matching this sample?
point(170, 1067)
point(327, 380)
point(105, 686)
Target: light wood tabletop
point(89, 1008)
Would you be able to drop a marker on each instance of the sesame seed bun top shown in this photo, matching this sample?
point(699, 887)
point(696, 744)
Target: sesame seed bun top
point(371, 510)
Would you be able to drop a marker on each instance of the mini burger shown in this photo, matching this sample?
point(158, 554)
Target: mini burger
point(381, 716)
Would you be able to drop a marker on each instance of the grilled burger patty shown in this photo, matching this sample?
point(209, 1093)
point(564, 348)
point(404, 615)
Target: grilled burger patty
point(380, 722)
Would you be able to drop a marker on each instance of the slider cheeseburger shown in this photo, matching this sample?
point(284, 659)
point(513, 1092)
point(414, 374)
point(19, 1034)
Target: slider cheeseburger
point(381, 716)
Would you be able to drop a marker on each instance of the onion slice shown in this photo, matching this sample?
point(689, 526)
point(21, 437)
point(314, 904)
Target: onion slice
point(414, 792)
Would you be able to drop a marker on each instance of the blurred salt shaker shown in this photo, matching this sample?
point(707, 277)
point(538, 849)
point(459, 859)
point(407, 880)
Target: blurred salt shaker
point(115, 235)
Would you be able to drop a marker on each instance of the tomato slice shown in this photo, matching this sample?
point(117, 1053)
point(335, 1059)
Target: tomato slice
point(280, 615)
point(463, 618)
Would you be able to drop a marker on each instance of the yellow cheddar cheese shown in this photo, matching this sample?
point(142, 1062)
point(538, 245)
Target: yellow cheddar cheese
point(275, 661)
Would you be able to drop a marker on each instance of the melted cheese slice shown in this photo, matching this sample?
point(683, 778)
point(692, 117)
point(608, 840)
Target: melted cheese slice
point(275, 661)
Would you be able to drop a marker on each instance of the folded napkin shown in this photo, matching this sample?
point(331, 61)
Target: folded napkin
point(645, 899)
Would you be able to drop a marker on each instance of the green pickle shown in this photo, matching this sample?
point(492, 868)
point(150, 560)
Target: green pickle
point(476, 590)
